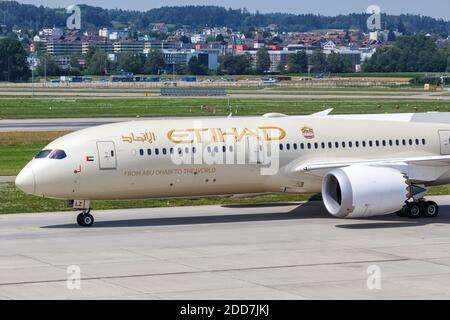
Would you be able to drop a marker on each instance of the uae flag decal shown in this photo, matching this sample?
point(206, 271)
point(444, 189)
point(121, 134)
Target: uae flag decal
point(89, 158)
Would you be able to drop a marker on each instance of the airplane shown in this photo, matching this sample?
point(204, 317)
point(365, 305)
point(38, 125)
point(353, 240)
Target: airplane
point(364, 165)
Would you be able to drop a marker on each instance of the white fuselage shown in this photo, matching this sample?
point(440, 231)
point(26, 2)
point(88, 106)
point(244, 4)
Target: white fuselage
point(135, 160)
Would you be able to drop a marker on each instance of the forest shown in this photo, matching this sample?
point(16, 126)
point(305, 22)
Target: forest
point(14, 14)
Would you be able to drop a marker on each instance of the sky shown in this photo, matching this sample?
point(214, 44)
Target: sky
point(433, 8)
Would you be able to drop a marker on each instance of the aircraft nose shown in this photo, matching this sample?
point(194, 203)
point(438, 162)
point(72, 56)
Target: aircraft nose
point(25, 180)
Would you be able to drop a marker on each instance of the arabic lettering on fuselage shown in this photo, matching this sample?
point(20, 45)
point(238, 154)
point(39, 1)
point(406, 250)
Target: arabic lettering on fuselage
point(141, 137)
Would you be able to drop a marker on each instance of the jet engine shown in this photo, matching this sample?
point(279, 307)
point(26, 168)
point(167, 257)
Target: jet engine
point(364, 191)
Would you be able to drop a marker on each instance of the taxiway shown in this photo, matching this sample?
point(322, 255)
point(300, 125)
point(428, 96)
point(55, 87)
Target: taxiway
point(277, 251)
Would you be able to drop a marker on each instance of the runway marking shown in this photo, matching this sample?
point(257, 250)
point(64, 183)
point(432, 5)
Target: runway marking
point(210, 271)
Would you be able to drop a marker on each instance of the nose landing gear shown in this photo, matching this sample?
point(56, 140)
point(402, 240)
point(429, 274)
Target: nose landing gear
point(85, 219)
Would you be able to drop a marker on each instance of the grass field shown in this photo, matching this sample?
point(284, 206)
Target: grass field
point(18, 202)
point(76, 108)
point(17, 148)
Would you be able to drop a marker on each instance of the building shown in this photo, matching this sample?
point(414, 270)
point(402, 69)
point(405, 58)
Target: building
point(214, 32)
point(159, 27)
point(128, 46)
point(103, 45)
point(278, 58)
point(330, 45)
point(258, 41)
point(209, 58)
point(163, 45)
point(64, 48)
point(198, 38)
point(113, 34)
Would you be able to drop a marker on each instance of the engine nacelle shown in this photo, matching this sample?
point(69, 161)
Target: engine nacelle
point(364, 191)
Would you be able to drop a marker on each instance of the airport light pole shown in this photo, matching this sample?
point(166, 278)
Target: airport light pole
point(32, 77)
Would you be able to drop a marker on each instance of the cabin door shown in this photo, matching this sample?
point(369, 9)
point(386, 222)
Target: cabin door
point(107, 155)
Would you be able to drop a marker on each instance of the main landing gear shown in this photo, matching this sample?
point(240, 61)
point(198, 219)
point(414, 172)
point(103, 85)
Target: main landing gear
point(85, 219)
point(420, 208)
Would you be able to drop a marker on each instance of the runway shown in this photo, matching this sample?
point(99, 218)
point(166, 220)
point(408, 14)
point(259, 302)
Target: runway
point(279, 251)
point(69, 124)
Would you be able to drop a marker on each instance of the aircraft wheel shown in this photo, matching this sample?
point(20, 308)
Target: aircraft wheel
point(430, 209)
point(413, 210)
point(85, 219)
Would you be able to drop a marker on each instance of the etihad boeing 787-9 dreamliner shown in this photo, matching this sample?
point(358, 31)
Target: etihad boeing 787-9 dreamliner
point(364, 165)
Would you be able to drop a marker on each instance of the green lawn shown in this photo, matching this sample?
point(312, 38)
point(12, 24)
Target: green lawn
point(60, 108)
point(17, 148)
point(13, 200)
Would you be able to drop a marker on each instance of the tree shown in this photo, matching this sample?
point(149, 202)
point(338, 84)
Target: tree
point(131, 62)
point(318, 61)
point(97, 61)
point(262, 60)
point(401, 28)
point(13, 61)
point(195, 67)
point(391, 36)
point(37, 17)
point(338, 64)
point(180, 69)
point(92, 49)
point(239, 64)
point(298, 62)
point(220, 38)
point(48, 66)
point(281, 68)
point(276, 40)
point(417, 53)
point(185, 39)
point(154, 62)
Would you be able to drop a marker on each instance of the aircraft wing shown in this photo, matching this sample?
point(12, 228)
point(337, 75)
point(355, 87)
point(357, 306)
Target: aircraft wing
point(326, 165)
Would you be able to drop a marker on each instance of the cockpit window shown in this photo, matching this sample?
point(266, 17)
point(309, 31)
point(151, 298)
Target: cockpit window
point(43, 154)
point(58, 154)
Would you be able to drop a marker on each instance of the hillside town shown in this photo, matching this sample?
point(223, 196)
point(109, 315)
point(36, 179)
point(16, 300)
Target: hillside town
point(296, 45)
point(69, 48)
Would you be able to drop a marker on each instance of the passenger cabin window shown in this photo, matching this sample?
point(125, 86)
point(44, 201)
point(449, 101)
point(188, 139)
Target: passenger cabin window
point(58, 154)
point(42, 154)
